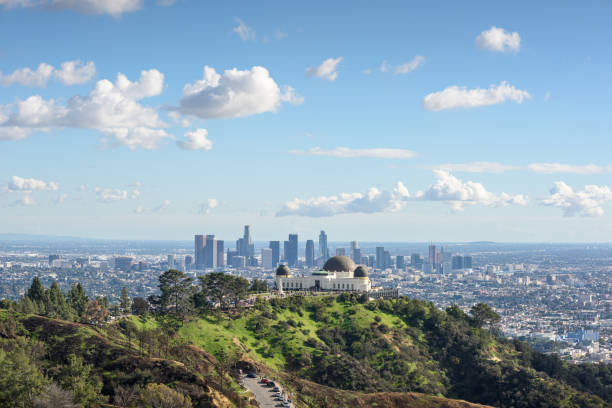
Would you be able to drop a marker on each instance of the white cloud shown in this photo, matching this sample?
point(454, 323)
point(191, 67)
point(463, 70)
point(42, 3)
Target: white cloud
point(460, 97)
point(208, 206)
point(544, 168)
point(196, 140)
point(71, 73)
point(346, 152)
point(112, 109)
point(113, 7)
point(28, 185)
point(25, 201)
point(109, 195)
point(327, 70)
point(585, 203)
point(245, 32)
point(458, 194)
point(61, 199)
point(497, 39)
point(28, 77)
point(410, 65)
point(373, 201)
point(234, 94)
point(75, 72)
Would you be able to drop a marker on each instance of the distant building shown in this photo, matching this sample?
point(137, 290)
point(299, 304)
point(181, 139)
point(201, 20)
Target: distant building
point(467, 262)
point(123, 263)
point(340, 252)
point(416, 261)
point(457, 262)
point(266, 258)
point(188, 262)
point(171, 262)
point(199, 251)
point(433, 257)
point(338, 274)
point(238, 261)
point(380, 257)
point(310, 253)
point(399, 262)
point(220, 253)
point(230, 257)
point(275, 247)
point(53, 258)
point(210, 252)
point(292, 250)
point(355, 252)
point(323, 249)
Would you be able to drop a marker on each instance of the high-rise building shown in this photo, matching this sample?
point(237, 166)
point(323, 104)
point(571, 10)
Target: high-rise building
point(247, 243)
point(457, 262)
point(238, 261)
point(210, 252)
point(380, 257)
point(171, 262)
point(387, 260)
point(275, 247)
point(188, 262)
point(292, 254)
point(230, 256)
point(399, 262)
point(355, 252)
point(340, 252)
point(310, 253)
point(239, 246)
point(266, 258)
point(53, 258)
point(416, 261)
point(123, 263)
point(199, 251)
point(371, 261)
point(220, 253)
point(467, 262)
point(323, 249)
point(433, 256)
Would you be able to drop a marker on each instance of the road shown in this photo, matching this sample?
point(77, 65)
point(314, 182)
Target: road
point(263, 395)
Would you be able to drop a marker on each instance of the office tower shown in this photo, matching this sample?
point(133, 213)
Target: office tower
point(355, 252)
point(275, 247)
point(210, 251)
point(340, 252)
point(230, 257)
point(188, 262)
point(467, 262)
point(371, 261)
point(387, 260)
point(433, 256)
point(246, 249)
point(399, 262)
point(123, 263)
point(199, 251)
point(170, 261)
point(380, 257)
point(292, 254)
point(266, 258)
point(323, 249)
point(416, 261)
point(239, 246)
point(310, 254)
point(238, 261)
point(445, 261)
point(53, 258)
point(220, 254)
point(457, 262)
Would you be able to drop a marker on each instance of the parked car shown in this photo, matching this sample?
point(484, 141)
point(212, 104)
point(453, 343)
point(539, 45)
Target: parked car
point(252, 375)
point(276, 389)
point(265, 381)
point(270, 384)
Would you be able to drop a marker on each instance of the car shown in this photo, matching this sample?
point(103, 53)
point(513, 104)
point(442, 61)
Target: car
point(270, 384)
point(252, 375)
point(286, 404)
point(276, 389)
point(265, 381)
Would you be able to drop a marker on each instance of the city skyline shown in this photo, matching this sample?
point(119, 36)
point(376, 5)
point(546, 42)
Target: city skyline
point(391, 128)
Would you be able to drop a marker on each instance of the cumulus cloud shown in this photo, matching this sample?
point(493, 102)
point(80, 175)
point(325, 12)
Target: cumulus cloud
point(245, 32)
point(114, 8)
point(498, 39)
point(404, 68)
point(327, 70)
point(373, 201)
point(111, 108)
point(109, 195)
point(447, 189)
point(347, 152)
point(586, 203)
point(28, 77)
point(458, 193)
point(196, 140)
point(75, 72)
point(455, 97)
point(25, 201)
point(208, 206)
point(27, 185)
point(234, 94)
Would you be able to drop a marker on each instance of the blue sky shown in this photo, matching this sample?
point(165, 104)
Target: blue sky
point(495, 118)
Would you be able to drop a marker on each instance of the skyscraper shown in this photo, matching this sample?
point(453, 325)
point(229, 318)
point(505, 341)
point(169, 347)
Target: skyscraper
point(246, 249)
point(310, 254)
point(355, 252)
point(266, 258)
point(220, 258)
point(380, 257)
point(275, 247)
point(399, 262)
point(188, 262)
point(170, 261)
point(323, 249)
point(433, 256)
point(467, 262)
point(210, 251)
point(457, 262)
point(340, 252)
point(199, 251)
point(292, 254)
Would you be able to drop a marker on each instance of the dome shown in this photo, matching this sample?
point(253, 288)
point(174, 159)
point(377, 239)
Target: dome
point(360, 272)
point(283, 270)
point(339, 264)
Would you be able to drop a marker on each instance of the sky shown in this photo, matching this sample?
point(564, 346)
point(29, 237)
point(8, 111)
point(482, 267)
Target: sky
point(374, 121)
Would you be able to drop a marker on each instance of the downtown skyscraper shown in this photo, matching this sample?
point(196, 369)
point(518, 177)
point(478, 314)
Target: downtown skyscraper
point(323, 249)
point(310, 253)
point(291, 250)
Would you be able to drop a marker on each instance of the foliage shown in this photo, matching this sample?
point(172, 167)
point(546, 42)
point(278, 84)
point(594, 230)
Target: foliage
point(223, 289)
point(162, 396)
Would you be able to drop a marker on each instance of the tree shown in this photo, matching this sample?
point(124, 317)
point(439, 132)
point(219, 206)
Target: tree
point(20, 378)
point(176, 292)
point(258, 285)
point(77, 299)
point(162, 396)
point(126, 302)
point(96, 313)
point(223, 289)
point(140, 306)
point(56, 303)
point(76, 376)
point(126, 397)
point(55, 397)
point(36, 291)
point(483, 314)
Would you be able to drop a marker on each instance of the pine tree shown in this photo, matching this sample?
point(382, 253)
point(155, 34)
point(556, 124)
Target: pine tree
point(126, 302)
point(36, 291)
